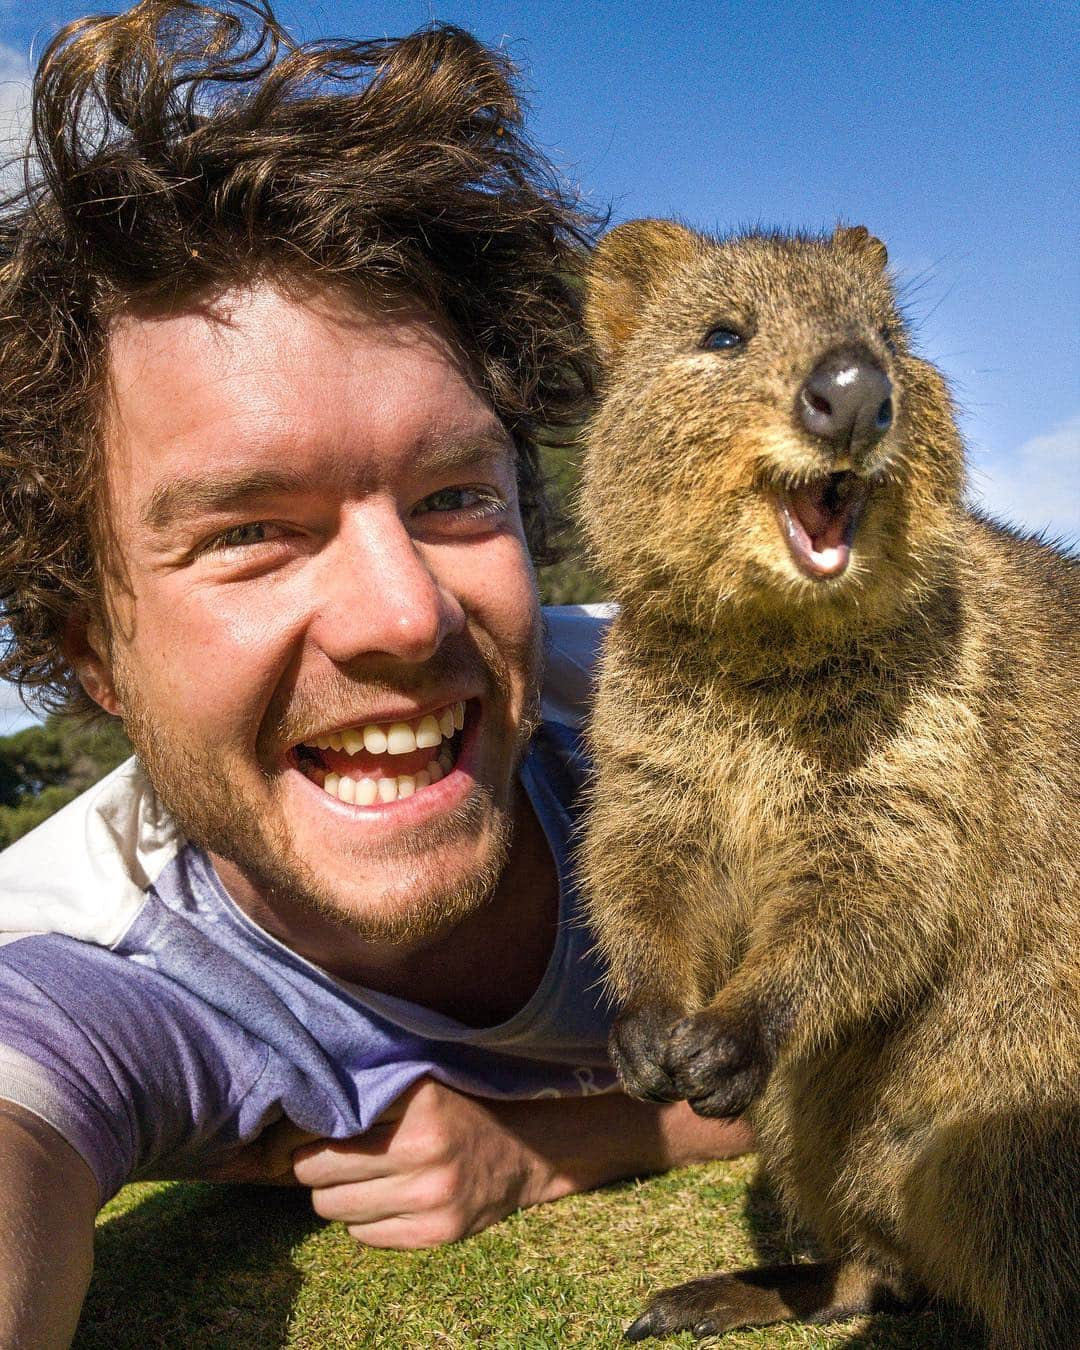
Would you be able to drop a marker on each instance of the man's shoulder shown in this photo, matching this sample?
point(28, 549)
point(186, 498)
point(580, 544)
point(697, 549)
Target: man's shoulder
point(573, 637)
point(84, 871)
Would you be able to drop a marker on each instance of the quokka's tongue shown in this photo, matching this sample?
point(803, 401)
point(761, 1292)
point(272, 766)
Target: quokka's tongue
point(819, 522)
point(825, 519)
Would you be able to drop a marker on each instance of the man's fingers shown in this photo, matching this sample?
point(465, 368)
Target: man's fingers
point(360, 1202)
point(408, 1232)
point(411, 1180)
point(371, 1154)
point(328, 1162)
point(426, 1197)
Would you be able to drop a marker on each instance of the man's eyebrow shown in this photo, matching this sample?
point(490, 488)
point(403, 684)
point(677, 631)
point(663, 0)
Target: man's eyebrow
point(446, 454)
point(196, 495)
point(202, 494)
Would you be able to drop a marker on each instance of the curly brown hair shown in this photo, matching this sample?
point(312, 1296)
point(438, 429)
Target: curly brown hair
point(179, 149)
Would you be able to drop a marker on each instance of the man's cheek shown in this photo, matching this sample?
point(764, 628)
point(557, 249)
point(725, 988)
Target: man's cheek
point(511, 598)
point(211, 671)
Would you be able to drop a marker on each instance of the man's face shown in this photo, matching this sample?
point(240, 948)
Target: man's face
point(316, 516)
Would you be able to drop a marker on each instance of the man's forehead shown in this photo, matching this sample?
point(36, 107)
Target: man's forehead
point(258, 364)
point(246, 329)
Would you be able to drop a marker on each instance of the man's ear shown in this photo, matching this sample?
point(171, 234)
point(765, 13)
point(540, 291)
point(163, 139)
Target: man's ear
point(88, 652)
point(625, 271)
point(859, 240)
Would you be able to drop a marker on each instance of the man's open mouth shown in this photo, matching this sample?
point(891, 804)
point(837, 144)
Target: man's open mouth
point(384, 761)
point(819, 519)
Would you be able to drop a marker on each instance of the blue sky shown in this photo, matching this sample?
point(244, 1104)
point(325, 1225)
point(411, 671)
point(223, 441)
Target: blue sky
point(947, 128)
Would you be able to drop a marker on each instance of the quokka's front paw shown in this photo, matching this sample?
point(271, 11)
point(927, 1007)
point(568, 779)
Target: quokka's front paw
point(637, 1044)
point(717, 1061)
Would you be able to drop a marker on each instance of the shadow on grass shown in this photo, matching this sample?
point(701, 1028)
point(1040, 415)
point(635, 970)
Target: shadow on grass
point(197, 1266)
point(932, 1328)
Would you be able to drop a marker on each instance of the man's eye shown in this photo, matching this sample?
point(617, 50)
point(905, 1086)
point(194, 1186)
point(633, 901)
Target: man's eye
point(254, 532)
point(474, 501)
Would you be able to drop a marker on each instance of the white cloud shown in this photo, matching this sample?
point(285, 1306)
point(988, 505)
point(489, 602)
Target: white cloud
point(1037, 487)
point(14, 112)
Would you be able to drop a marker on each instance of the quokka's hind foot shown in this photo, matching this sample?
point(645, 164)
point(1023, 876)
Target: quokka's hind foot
point(822, 1291)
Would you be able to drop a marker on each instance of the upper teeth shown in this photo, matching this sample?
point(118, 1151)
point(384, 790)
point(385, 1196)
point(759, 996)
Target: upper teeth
point(396, 738)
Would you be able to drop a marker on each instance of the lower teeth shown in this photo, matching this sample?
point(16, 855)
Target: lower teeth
point(367, 791)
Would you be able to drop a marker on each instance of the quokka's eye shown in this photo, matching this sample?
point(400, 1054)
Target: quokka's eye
point(889, 339)
point(721, 340)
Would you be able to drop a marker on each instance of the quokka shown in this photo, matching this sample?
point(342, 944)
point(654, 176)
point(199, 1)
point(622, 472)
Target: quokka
point(834, 840)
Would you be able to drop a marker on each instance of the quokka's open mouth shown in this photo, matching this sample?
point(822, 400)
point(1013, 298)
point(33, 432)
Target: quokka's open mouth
point(819, 519)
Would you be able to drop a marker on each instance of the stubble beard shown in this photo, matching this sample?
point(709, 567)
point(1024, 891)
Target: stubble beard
point(192, 784)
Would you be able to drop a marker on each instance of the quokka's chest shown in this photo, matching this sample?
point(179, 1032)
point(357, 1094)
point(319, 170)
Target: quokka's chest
point(749, 799)
point(752, 769)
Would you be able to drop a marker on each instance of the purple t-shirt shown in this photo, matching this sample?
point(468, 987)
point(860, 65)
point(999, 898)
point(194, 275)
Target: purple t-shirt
point(158, 1028)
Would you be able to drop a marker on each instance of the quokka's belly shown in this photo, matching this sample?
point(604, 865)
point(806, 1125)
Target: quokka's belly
point(840, 1138)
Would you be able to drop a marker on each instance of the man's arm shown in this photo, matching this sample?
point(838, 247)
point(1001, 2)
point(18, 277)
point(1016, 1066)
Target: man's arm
point(48, 1200)
point(440, 1165)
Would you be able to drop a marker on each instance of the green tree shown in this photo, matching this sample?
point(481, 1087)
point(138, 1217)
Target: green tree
point(569, 582)
point(42, 768)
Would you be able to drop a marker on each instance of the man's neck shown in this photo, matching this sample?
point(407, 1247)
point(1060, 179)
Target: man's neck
point(480, 972)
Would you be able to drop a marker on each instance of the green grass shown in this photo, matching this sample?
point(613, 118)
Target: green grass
point(183, 1265)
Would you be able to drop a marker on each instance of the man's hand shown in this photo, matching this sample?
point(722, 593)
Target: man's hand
point(439, 1165)
point(435, 1167)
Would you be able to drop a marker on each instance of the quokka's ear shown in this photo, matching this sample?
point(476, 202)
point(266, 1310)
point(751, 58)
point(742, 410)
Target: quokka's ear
point(629, 264)
point(859, 240)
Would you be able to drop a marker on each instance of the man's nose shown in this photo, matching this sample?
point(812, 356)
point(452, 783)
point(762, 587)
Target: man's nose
point(380, 594)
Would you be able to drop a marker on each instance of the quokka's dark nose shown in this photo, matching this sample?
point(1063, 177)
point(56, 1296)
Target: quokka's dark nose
point(846, 400)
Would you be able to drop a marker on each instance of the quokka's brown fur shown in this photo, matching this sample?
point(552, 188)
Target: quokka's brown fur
point(833, 849)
